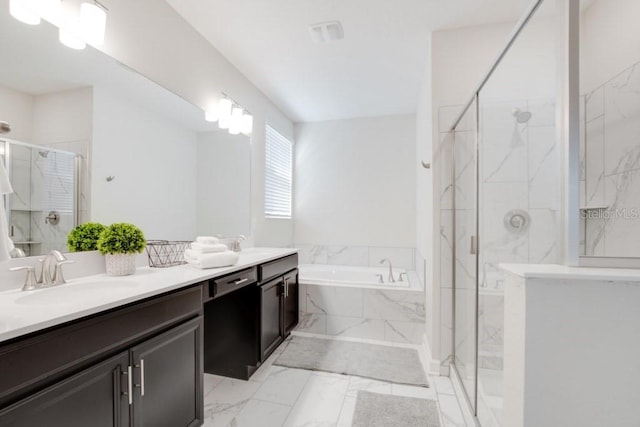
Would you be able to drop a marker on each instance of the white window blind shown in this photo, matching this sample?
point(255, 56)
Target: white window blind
point(57, 182)
point(278, 175)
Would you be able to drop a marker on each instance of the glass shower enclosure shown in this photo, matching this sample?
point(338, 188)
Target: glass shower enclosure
point(505, 175)
point(43, 207)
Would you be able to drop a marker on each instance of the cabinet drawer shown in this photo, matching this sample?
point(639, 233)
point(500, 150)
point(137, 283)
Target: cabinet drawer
point(231, 282)
point(277, 267)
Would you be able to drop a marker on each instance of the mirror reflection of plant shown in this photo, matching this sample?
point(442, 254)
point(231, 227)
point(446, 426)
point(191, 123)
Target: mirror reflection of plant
point(121, 238)
point(85, 237)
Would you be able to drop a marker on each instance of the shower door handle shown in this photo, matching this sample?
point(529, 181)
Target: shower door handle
point(474, 245)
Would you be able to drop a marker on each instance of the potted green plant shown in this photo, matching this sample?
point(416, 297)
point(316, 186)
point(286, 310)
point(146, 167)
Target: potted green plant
point(84, 237)
point(120, 243)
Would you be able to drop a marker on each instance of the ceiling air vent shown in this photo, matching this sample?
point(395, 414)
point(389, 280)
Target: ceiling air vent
point(324, 32)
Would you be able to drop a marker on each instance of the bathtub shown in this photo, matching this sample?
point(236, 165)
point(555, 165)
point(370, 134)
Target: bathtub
point(351, 302)
point(317, 274)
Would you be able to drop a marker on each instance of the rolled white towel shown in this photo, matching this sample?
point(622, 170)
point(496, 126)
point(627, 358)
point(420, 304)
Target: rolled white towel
point(204, 248)
point(215, 260)
point(209, 240)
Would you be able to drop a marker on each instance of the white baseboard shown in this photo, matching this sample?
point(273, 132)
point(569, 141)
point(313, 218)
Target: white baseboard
point(432, 365)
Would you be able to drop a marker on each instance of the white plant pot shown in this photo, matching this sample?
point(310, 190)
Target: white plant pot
point(120, 264)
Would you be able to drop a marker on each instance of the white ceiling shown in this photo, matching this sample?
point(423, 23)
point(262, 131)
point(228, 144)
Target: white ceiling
point(376, 70)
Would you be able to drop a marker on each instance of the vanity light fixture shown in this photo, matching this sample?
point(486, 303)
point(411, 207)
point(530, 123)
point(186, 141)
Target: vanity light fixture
point(230, 115)
point(75, 30)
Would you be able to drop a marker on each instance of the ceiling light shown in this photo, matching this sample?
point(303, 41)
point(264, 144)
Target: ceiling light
point(24, 11)
point(224, 113)
point(93, 19)
point(211, 115)
point(324, 32)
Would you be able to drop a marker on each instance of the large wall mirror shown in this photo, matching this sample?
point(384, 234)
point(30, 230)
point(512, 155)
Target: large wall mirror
point(140, 153)
point(610, 124)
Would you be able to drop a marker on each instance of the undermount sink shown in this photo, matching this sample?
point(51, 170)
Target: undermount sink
point(71, 293)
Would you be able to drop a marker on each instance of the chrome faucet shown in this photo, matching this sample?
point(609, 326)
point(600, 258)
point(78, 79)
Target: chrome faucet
point(390, 279)
point(54, 259)
point(235, 243)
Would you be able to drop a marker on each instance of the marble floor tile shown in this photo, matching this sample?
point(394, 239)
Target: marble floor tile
point(261, 413)
point(232, 391)
point(320, 402)
point(348, 409)
point(357, 384)
point(442, 384)
point(450, 411)
point(413, 391)
point(210, 382)
point(283, 385)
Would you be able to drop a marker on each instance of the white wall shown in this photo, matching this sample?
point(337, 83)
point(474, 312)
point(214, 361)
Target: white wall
point(150, 37)
point(65, 116)
point(224, 184)
point(355, 182)
point(16, 108)
point(150, 159)
point(459, 60)
point(609, 41)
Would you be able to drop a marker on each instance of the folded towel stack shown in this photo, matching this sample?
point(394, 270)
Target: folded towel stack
point(206, 252)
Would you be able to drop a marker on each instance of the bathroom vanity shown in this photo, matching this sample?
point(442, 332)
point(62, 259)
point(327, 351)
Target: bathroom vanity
point(137, 356)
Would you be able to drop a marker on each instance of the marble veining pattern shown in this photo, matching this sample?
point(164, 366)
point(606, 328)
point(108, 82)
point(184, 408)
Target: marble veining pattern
point(279, 396)
point(612, 128)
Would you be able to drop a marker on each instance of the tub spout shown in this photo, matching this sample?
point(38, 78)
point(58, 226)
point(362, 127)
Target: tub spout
point(391, 279)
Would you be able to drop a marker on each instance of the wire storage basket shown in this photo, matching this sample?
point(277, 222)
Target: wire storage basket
point(165, 253)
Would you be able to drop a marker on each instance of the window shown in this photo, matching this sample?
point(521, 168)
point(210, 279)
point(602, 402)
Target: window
point(278, 174)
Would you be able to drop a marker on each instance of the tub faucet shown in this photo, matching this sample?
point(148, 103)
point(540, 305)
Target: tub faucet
point(391, 279)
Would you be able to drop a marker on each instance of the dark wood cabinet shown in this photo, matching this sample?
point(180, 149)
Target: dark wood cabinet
point(270, 317)
point(279, 311)
point(167, 378)
point(94, 397)
point(290, 302)
point(137, 366)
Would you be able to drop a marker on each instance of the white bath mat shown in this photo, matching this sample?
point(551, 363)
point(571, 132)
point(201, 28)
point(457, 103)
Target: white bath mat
point(385, 410)
point(392, 364)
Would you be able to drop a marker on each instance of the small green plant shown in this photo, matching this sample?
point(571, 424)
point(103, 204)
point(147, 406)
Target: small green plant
point(121, 238)
point(84, 237)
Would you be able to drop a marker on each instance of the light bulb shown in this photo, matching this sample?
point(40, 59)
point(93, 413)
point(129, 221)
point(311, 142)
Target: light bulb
point(70, 40)
point(246, 126)
point(93, 22)
point(24, 11)
point(236, 121)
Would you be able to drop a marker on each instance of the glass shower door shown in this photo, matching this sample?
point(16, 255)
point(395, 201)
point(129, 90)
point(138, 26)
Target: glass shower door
point(465, 167)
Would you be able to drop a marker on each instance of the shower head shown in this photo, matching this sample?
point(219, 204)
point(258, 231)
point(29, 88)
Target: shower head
point(5, 127)
point(521, 116)
point(43, 154)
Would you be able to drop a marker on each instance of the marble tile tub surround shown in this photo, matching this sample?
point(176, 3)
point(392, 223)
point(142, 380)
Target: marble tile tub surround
point(278, 396)
point(611, 155)
point(360, 256)
point(368, 313)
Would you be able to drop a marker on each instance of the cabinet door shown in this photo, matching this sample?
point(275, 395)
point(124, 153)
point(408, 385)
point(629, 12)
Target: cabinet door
point(94, 397)
point(290, 302)
point(271, 319)
point(167, 377)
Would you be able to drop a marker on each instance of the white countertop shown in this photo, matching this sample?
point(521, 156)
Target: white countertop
point(555, 271)
point(25, 312)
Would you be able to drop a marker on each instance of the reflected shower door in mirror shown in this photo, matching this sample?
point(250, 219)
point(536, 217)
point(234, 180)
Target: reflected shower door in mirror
point(42, 209)
point(610, 125)
point(144, 138)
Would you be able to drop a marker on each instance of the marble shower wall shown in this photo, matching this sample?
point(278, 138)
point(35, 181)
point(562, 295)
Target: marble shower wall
point(518, 170)
point(611, 158)
point(36, 175)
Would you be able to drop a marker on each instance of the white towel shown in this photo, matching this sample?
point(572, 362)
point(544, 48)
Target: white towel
point(209, 240)
point(6, 244)
point(216, 260)
point(205, 248)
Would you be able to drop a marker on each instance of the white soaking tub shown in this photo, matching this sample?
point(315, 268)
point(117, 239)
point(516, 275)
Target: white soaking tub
point(318, 274)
